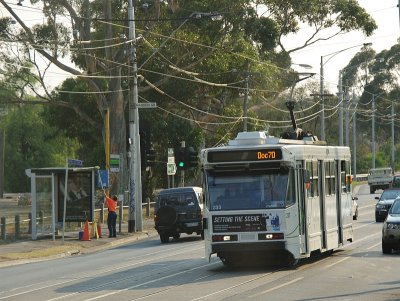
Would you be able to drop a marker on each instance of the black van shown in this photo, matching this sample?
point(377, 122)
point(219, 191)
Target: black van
point(178, 210)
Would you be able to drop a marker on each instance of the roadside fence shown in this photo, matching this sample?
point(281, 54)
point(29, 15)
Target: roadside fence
point(19, 226)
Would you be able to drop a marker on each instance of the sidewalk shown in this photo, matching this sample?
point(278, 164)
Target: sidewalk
point(21, 252)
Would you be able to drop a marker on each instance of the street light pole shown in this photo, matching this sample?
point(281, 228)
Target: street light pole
point(322, 63)
point(374, 98)
point(348, 105)
point(340, 109)
point(321, 93)
point(135, 185)
point(354, 151)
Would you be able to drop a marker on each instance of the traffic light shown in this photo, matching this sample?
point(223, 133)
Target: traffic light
point(193, 158)
point(150, 156)
point(181, 158)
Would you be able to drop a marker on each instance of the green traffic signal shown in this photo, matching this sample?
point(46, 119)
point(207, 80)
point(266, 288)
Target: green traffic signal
point(180, 158)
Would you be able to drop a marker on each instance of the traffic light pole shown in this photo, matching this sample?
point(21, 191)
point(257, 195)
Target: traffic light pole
point(183, 145)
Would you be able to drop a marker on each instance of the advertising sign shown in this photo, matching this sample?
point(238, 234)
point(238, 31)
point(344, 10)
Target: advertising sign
point(79, 197)
point(245, 223)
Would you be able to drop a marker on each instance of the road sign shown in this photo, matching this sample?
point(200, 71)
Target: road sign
point(75, 163)
point(114, 162)
point(171, 158)
point(146, 105)
point(171, 169)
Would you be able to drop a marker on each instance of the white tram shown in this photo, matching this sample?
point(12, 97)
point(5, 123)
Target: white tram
point(271, 197)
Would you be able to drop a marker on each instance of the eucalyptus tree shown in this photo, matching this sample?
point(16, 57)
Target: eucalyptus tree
point(188, 58)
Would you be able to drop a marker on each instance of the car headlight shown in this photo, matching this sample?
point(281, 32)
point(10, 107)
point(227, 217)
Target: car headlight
point(380, 207)
point(392, 226)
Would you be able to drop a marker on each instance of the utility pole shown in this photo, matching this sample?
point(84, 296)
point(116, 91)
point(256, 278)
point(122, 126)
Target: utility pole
point(321, 92)
point(321, 96)
point(354, 154)
point(246, 98)
point(393, 167)
point(398, 5)
point(373, 130)
point(183, 145)
point(135, 185)
point(348, 105)
point(340, 109)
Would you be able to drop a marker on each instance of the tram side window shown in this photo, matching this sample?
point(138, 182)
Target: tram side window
point(291, 196)
point(312, 170)
point(330, 179)
point(343, 181)
point(345, 176)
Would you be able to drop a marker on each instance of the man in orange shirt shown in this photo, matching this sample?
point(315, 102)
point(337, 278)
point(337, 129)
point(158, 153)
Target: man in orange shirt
point(112, 204)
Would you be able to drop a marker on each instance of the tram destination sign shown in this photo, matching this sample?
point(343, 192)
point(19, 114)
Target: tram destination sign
point(270, 154)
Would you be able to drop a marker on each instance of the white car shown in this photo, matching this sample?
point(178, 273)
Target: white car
point(391, 229)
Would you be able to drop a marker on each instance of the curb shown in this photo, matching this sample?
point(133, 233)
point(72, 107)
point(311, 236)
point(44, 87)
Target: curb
point(82, 251)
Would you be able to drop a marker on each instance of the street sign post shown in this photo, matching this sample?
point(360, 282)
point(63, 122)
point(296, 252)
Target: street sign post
point(146, 105)
point(171, 169)
point(75, 163)
point(114, 162)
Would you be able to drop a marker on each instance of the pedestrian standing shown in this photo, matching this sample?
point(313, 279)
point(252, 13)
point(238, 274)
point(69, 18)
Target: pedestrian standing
point(112, 204)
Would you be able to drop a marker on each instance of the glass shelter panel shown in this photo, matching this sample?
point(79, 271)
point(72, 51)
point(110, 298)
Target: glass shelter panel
point(44, 205)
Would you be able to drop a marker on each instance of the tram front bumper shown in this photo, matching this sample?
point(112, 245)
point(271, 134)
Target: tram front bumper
point(248, 247)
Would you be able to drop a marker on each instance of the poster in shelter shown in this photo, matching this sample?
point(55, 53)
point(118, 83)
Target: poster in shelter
point(79, 197)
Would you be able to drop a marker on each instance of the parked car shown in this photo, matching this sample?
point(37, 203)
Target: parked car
point(391, 229)
point(396, 181)
point(179, 210)
point(384, 203)
point(354, 208)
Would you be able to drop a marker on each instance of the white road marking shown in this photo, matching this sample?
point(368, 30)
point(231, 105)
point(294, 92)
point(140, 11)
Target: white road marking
point(337, 262)
point(276, 287)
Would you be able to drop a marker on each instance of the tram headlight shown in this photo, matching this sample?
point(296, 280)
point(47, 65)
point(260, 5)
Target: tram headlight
point(224, 238)
point(270, 236)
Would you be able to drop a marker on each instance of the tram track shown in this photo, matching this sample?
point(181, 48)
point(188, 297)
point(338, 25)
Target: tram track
point(132, 262)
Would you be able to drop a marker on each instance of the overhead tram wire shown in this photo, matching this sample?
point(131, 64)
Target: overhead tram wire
point(211, 114)
point(208, 47)
point(193, 120)
point(232, 53)
point(257, 61)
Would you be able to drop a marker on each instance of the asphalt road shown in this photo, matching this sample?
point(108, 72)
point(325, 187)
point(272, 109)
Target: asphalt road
point(149, 270)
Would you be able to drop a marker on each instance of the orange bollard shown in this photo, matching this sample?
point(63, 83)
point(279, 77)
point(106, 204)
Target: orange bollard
point(86, 234)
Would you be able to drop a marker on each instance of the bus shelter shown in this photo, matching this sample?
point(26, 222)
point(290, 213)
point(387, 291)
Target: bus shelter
point(61, 195)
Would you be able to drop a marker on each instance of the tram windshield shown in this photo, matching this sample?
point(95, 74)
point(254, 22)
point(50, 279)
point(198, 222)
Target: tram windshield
point(249, 191)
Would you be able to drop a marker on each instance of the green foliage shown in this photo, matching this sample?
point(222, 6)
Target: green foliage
point(30, 143)
point(89, 136)
point(189, 60)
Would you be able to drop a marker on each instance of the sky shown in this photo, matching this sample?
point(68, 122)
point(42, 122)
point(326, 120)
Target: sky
point(386, 15)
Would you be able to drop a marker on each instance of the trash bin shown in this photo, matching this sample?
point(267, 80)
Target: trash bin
point(80, 235)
